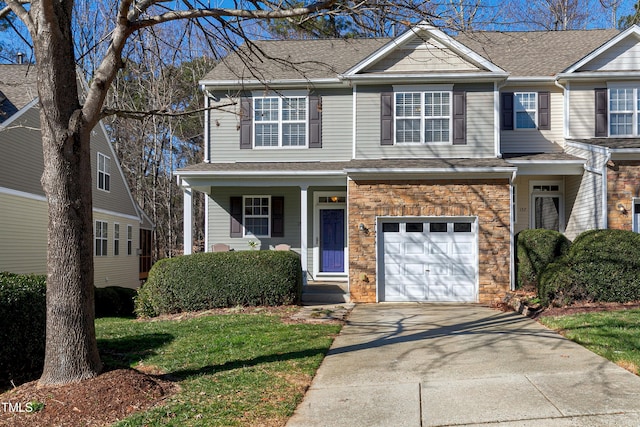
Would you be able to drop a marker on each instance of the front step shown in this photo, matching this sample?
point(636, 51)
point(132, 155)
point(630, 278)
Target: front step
point(325, 293)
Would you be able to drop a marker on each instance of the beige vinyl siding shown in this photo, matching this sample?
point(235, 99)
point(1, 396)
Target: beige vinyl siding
point(621, 57)
point(117, 199)
point(337, 113)
point(122, 269)
point(21, 163)
point(419, 55)
point(534, 140)
point(23, 234)
point(582, 113)
point(480, 128)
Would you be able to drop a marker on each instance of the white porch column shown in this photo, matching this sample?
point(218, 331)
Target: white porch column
point(187, 208)
point(303, 231)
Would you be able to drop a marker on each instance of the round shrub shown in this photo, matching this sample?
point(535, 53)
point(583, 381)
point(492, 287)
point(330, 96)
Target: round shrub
point(23, 319)
point(115, 301)
point(535, 250)
point(601, 265)
point(221, 279)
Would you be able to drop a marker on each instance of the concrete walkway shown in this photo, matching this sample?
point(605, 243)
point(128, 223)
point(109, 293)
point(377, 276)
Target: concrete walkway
point(448, 364)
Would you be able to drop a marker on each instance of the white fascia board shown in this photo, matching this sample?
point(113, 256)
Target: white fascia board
point(18, 114)
point(422, 77)
point(635, 30)
point(587, 147)
point(436, 34)
point(599, 75)
point(234, 174)
point(524, 80)
point(118, 214)
point(449, 171)
point(574, 168)
point(257, 84)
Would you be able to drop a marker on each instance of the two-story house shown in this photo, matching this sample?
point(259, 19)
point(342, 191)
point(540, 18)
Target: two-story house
point(122, 232)
point(406, 166)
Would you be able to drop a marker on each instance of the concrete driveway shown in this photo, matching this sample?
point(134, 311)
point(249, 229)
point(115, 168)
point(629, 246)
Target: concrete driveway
point(451, 364)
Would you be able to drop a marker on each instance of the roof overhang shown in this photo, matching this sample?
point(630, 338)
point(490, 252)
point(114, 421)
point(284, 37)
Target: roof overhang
point(548, 167)
point(430, 173)
point(261, 84)
point(388, 78)
point(613, 153)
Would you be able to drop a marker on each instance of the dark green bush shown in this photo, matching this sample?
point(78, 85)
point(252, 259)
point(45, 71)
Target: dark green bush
point(221, 279)
point(115, 301)
point(601, 265)
point(23, 320)
point(535, 250)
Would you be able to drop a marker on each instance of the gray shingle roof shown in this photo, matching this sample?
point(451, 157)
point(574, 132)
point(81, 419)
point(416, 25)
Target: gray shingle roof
point(18, 85)
point(533, 53)
point(294, 59)
point(536, 53)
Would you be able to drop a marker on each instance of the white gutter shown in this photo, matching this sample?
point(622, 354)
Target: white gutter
point(259, 173)
point(373, 78)
point(627, 75)
point(431, 170)
point(270, 83)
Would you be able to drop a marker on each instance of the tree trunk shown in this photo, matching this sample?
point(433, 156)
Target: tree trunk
point(71, 349)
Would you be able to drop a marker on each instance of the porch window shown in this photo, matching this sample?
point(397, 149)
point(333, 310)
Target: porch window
point(256, 216)
point(280, 121)
point(101, 235)
point(104, 172)
point(423, 117)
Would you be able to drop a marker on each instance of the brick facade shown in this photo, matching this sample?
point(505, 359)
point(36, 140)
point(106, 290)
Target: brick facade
point(488, 199)
point(623, 184)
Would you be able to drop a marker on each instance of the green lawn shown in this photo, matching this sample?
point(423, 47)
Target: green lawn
point(233, 369)
point(614, 335)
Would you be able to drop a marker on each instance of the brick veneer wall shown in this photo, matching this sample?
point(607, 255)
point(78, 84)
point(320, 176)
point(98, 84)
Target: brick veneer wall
point(623, 183)
point(487, 199)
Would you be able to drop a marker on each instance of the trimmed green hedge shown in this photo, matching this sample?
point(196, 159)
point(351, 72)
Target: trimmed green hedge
point(601, 265)
point(23, 322)
point(221, 279)
point(535, 250)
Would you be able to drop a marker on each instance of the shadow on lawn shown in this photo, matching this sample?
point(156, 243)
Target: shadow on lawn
point(124, 352)
point(180, 375)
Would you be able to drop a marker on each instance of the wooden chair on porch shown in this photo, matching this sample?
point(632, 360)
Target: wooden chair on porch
point(220, 247)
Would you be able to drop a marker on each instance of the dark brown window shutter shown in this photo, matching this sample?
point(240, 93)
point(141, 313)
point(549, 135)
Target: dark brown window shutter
point(459, 118)
point(277, 216)
point(315, 122)
point(544, 110)
point(235, 209)
point(506, 107)
point(602, 119)
point(386, 118)
point(246, 122)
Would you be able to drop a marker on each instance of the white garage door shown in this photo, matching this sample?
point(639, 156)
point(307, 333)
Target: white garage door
point(430, 260)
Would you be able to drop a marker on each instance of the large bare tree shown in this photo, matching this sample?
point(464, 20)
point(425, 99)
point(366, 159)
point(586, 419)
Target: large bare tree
point(66, 122)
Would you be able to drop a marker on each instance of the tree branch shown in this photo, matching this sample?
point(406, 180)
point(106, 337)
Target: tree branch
point(164, 112)
point(16, 6)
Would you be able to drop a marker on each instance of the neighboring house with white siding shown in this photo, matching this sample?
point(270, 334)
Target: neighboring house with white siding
point(406, 166)
point(118, 221)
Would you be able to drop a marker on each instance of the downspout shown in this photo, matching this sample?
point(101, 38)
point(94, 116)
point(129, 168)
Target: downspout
point(565, 119)
point(496, 119)
point(605, 214)
point(207, 158)
point(512, 236)
point(353, 125)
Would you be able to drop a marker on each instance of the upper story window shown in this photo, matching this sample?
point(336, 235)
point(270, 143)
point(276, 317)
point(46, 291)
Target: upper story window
point(423, 117)
point(104, 172)
point(525, 110)
point(624, 108)
point(280, 121)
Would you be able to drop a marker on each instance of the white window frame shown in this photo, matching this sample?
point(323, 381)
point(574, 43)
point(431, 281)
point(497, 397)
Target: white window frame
point(245, 231)
point(129, 239)
point(116, 239)
point(422, 115)
point(519, 108)
point(101, 238)
point(634, 111)
point(534, 193)
point(280, 122)
point(104, 173)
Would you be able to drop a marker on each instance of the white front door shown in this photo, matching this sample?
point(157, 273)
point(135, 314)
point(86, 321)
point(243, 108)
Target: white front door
point(433, 259)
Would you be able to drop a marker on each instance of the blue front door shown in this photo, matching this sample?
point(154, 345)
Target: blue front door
point(332, 240)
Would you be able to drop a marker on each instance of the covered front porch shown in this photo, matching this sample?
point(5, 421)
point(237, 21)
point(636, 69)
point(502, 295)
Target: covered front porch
point(258, 206)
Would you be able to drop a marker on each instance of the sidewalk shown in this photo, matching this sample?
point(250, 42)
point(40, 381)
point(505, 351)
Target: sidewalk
point(450, 364)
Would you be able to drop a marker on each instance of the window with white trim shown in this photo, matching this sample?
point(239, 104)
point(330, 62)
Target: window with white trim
point(280, 121)
point(116, 239)
point(101, 236)
point(525, 109)
point(104, 172)
point(624, 108)
point(129, 239)
point(423, 117)
point(256, 215)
